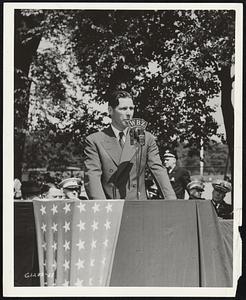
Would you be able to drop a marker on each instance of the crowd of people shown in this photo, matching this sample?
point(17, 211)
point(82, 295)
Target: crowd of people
point(69, 188)
point(116, 160)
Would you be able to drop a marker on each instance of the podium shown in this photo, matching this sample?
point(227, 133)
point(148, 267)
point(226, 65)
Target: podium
point(176, 243)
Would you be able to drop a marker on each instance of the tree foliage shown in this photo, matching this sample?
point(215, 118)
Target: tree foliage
point(174, 62)
point(189, 50)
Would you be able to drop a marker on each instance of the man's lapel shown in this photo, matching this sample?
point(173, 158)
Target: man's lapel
point(128, 150)
point(111, 145)
point(113, 148)
point(125, 165)
point(172, 173)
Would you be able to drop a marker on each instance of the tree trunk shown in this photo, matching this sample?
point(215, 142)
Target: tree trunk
point(25, 47)
point(227, 108)
point(228, 111)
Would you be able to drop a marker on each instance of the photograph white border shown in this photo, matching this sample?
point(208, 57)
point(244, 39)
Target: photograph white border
point(8, 138)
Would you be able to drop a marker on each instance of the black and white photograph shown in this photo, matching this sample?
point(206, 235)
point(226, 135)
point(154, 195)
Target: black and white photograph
point(122, 138)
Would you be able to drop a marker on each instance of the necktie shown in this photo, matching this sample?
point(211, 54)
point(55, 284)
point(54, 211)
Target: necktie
point(121, 134)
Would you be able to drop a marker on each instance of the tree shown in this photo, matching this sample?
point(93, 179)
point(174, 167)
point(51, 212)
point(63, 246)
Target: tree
point(173, 61)
point(47, 108)
point(192, 52)
point(25, 46)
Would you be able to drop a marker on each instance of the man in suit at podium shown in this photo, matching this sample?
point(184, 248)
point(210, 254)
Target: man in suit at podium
point(179, 177)
point(114, 166)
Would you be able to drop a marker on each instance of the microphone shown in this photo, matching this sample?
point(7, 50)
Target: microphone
point(137, 131)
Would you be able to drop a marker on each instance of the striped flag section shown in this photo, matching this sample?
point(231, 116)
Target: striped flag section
point(76, 240)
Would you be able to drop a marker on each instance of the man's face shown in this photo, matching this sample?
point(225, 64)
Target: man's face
point(71, 193)
point(169, 162)
point(54, 194)
point(122, 113)
point(195, 193)
point(218, 196)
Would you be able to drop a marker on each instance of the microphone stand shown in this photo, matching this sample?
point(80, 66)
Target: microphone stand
point(140, 137)
point(138, 166)
point(137, 138)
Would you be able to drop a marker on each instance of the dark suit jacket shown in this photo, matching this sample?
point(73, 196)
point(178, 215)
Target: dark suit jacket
point(111, 172)
point(179, 178)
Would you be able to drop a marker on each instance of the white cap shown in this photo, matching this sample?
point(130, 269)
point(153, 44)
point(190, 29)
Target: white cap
point(70, 183)
point(196, 184)
point(222, 186)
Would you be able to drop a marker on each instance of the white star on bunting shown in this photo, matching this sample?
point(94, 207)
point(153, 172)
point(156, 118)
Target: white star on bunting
point(66, 245)
point(93, 244)
point(109, 207)
point(104, 260)
point(81, 225)
point(95, 207)
point(54, 264)
point(42, 209)
point(66, 226)
point(44, 245)
point(81, 207)
point(54, 227)
point(107, 224)
point(105, 243)
point(43, 227)
point(79, 282)
point(66, 264)
point(80, 264)
point(81, 244)
point(65, 283)
point(94, 225)
point(54, 209)
point(54, 246)
point(92, 262)
point(67, 208)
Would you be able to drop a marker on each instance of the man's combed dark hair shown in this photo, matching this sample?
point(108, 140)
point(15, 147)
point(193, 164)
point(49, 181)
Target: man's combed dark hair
point(113, 98)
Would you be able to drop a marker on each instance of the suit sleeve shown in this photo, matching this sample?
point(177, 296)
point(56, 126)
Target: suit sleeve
point(93, 171)
point(158, 170)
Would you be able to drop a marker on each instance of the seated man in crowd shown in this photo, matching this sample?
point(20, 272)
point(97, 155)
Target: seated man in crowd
point(52, 192)
point(195, 189)
point(179, 177)
point(71, 188)
point(17, 189)
point(31, 190)
point(221, 187)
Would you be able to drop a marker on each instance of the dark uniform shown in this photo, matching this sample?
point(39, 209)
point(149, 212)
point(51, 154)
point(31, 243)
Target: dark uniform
point(72, 188)
point(179, 178)
point(223, 209)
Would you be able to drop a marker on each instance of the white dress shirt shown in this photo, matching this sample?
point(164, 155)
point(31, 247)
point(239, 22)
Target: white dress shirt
point(117, 132)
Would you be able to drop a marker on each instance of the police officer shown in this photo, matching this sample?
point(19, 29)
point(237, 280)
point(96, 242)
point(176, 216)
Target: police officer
point(179, 177)
point(221, 187)
point(71, 188)
point(195, 189)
